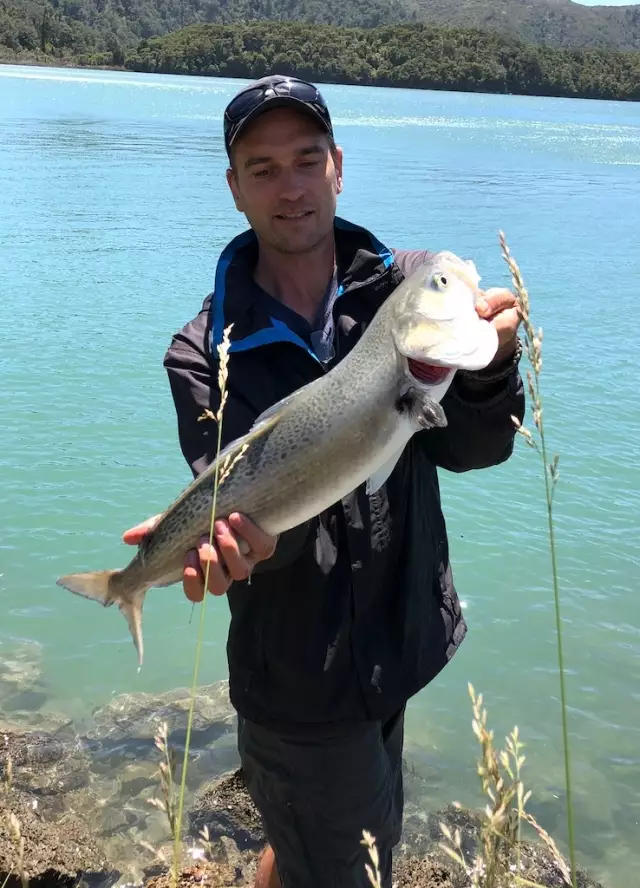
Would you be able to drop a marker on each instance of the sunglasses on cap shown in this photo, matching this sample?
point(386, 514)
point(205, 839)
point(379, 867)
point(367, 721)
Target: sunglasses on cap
point(289, 90)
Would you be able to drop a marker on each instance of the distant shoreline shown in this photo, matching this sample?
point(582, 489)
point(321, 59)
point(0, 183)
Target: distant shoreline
point(61, 63)
point(399, 56)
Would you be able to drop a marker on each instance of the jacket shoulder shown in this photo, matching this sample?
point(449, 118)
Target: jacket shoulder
point(193, 339)
point(409, 260)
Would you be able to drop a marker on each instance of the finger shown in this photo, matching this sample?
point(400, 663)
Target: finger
point(508, 322)
point(135, 535)
point(227, 542)
point(213, 569)
point(261, 544)
point(192, 577)
point(494, 301)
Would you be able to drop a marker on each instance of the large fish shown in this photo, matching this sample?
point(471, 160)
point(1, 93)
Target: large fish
point(344, 429)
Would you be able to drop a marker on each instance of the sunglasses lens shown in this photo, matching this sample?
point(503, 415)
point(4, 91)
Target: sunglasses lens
point(244, 103)
point(303, 91)
point(247, 101)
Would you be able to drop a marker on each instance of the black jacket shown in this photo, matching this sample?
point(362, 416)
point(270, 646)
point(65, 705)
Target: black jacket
point(357, 610)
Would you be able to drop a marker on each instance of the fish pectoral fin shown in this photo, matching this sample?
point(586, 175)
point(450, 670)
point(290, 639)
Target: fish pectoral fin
point(424, 407)
point(430, 414)
point(376, 479)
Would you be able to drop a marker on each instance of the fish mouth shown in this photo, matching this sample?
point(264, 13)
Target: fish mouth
point(429, 373)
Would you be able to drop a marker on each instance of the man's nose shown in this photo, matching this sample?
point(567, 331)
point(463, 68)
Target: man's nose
point(291, 186)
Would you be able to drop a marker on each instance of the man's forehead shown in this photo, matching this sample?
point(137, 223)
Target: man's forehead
point(262, 154)
point(279, 131)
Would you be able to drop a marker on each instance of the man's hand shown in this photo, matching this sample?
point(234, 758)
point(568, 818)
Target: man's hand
point(238, 545)
point(499, 306)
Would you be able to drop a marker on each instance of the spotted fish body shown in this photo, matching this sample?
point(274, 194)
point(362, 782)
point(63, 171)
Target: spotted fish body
point(346, 428)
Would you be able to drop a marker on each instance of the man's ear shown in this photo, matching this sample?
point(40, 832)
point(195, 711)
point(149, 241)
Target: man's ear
point(232, 182)
point(337, 160)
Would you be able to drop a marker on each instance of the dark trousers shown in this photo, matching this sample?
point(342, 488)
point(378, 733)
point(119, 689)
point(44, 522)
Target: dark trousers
point(318, 790)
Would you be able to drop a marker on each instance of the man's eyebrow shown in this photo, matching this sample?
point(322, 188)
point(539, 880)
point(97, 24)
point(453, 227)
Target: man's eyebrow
point(311, 149)
point(303, 152)
point(255, 161)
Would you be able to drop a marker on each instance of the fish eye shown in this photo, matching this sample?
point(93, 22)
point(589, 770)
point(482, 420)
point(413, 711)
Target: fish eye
point(440, 280)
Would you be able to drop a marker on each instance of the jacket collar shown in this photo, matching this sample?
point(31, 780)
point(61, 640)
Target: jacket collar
point(361, 258)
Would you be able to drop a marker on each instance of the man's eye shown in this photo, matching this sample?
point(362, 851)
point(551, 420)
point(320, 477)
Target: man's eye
point(261, 174)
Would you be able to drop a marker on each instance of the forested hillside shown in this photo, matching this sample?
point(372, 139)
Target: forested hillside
point(398, 55)
point(80, 26)
point(62, 27)
point(557, 23)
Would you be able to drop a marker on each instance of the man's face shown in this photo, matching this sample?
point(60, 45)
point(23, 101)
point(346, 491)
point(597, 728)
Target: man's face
point(286, 180)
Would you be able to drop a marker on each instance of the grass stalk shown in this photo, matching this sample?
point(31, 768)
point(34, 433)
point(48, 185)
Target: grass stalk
point(533, 348)
point(14, 830)
point(498, 858)
point(223, 353)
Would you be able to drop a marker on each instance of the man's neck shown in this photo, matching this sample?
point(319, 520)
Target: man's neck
point(299, 281)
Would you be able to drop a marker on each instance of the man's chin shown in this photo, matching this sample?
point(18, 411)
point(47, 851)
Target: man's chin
point(300, 242)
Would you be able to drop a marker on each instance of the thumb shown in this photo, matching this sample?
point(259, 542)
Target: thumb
point(495, 300)
point(135, 535)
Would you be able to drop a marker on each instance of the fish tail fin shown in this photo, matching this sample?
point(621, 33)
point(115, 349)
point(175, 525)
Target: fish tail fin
point(131, 609)
point(95, 585)
point(100, 585)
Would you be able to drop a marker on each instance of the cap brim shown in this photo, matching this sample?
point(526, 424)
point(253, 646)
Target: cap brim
point(278, 102)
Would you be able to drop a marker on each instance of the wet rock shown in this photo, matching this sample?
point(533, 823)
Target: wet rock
point(32, 748)
point(207, 873)
point(44, 763)
point(416, 872)
point(53, 851)
point(215, 864)
point(423, 836)
point(225, 807)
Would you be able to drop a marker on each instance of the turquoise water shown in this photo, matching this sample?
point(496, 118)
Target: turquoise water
point(113, 209)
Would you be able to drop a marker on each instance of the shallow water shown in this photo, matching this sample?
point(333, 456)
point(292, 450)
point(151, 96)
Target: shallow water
point(113, 209)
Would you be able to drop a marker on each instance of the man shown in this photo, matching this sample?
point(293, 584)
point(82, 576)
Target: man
point(349, 615)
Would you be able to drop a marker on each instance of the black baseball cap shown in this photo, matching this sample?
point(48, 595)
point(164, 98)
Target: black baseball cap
point(274, 91)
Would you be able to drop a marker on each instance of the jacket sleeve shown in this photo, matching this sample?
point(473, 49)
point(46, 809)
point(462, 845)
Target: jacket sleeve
point(479, 405)
point(193, 379)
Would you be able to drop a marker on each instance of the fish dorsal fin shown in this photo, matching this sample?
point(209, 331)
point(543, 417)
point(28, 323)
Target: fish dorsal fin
point(274, 413)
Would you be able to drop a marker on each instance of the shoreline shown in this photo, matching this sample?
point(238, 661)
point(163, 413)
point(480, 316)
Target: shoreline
point(84, 792)
point(73, 64)
point(222, 836)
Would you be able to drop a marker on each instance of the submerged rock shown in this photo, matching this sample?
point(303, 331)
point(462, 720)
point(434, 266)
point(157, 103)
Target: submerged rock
point(20, 667)
point(126, 726)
